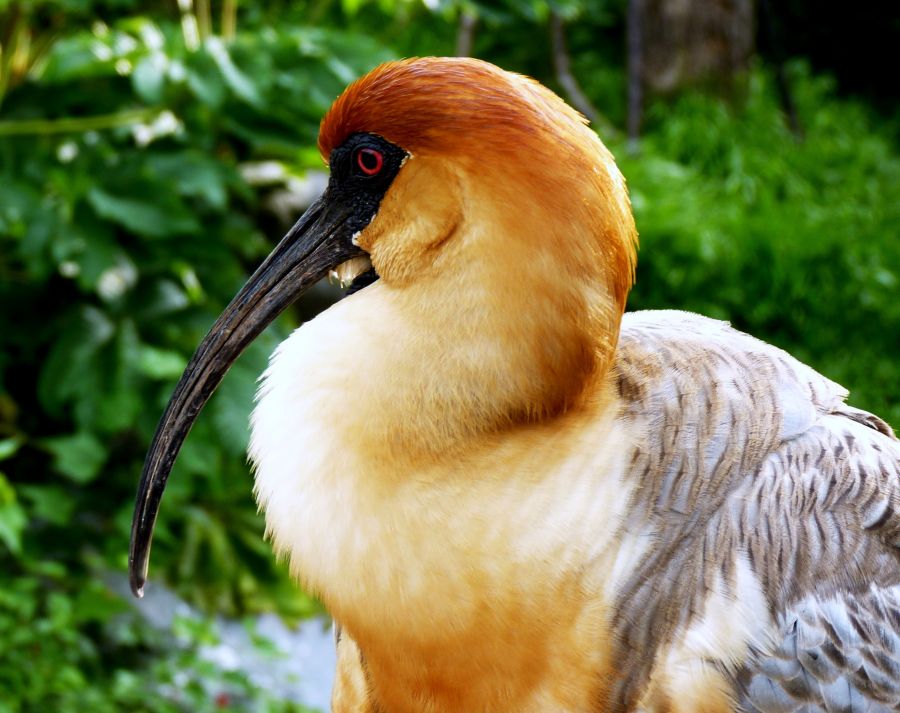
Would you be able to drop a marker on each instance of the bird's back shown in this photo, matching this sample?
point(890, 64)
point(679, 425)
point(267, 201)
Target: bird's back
point(773, 509)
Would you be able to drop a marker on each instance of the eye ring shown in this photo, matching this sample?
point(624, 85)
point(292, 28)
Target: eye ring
point(369, 161)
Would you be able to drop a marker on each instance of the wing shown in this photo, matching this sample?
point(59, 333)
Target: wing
point(749, 459)
point(837, 653)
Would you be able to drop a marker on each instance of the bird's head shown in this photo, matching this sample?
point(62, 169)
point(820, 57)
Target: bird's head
point(448, 147)
point(472, 193)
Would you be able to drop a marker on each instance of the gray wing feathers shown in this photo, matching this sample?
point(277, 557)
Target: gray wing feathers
point(838, 654)
point(749, 451)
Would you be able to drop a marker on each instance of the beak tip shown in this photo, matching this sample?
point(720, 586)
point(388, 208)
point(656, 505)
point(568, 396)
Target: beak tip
point(137, 582)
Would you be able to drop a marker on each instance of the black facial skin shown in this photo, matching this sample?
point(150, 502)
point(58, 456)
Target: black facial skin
point(320, 241)
point(350, 186)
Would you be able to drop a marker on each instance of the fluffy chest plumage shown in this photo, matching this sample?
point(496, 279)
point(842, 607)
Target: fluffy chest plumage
point(445, 559)
point(364, 527)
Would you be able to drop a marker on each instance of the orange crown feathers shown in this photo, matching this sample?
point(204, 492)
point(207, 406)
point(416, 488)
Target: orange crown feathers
point(472, 110)
point(445, 104)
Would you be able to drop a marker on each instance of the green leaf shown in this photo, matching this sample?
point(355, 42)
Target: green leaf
point(118, 403)
point(7, 491)
point(12, 524)
point(341, 69)
point(160, 363)
point(9, 446)
point(73, 356)
point(205, 82)
point(240, 83)
point(100, 254)
point(12, 517)
point(52, 503)
point(79, 457)
point(19, 200)
point(153, 219)
point(192, 174)
point(96, 603)
point(43, 226)
point(148, 77)
point(80, 57)
point(351, 7)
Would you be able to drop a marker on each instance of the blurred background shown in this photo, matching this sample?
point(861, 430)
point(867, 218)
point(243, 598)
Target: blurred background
point(151, 153)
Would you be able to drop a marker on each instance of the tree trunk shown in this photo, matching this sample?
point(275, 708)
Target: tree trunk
point(688, 42)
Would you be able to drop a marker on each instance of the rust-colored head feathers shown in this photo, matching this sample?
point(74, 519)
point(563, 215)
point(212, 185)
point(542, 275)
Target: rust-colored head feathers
point(452, 105)
point(440, 104)
point(502, 123)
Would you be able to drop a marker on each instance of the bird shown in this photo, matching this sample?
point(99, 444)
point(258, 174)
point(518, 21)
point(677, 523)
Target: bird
point(512, 495)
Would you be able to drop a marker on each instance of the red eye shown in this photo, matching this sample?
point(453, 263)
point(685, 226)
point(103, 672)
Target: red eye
point(369, 161)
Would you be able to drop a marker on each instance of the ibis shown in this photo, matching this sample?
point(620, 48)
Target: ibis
point(512, 496)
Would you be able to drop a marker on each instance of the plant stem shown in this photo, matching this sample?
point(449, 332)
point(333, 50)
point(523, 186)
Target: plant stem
point(563, 67)
point(229, 19)
point(9, 43)
point(204, 18)
point(43, 127)
point(465, 33)
point(635, 71)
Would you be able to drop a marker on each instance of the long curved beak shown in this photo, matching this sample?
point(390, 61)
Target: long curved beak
point(318, 242)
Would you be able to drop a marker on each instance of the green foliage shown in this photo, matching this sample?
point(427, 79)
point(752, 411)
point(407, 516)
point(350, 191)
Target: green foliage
point(792, 240)
point(125, 226)
point(69, 648)
point(126, 223)
point(121, 241)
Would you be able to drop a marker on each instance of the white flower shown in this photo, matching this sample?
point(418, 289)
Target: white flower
point(67, 151)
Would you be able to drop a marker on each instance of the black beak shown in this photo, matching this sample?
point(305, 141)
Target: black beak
point(319, 241)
